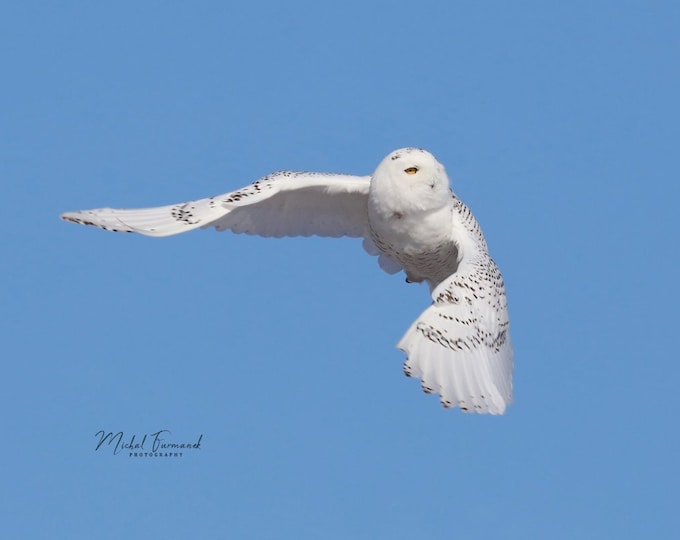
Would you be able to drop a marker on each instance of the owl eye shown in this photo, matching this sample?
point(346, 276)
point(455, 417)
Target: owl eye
point(411, 170)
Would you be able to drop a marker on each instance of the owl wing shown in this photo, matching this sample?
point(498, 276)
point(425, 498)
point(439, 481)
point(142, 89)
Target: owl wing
point(284, 203)
point(460, 346)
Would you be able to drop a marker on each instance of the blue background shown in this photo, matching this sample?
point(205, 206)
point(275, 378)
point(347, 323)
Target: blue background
point(558, 123)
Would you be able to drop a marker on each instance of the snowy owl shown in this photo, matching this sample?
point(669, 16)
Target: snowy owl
point(410, 218)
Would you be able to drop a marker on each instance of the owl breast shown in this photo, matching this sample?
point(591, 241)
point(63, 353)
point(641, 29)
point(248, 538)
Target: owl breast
point(420, 242)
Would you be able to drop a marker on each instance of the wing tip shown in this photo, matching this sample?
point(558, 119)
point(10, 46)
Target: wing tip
point(79, 219)
point(492, 403)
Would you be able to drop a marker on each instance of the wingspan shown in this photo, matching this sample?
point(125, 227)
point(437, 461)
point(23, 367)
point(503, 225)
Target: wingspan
point(281, 204)
point(460, 346)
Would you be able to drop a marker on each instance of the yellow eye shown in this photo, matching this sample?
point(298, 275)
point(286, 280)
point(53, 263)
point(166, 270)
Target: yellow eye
point(411, 170)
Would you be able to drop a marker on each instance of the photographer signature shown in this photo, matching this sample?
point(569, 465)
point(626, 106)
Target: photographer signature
point(149, 442)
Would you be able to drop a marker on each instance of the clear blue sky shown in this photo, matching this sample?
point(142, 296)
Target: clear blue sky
point(558, 123)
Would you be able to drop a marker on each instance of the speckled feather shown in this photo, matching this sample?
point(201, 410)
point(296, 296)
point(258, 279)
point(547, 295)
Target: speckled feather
point(281, 204)
point(407, 214)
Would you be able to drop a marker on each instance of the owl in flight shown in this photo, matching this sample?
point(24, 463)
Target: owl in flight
point(408, 216)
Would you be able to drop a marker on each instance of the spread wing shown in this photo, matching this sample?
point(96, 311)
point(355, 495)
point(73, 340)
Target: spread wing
point(285, 203)
point(460, 346)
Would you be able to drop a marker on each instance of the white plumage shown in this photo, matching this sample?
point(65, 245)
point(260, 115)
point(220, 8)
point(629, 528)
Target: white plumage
point(407, 214)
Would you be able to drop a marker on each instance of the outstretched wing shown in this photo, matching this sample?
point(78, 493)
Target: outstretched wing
point(460, 346)
point(281, 204)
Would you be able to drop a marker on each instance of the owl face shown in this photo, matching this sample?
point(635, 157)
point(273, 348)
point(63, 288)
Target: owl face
point(414, 173)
